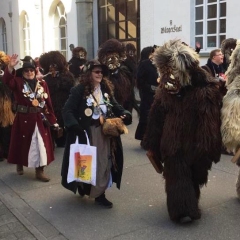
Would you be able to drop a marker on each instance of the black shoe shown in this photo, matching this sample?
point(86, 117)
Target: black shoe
point(81, 191)
point(185, 219)
point(1, 159)
point(101, 200)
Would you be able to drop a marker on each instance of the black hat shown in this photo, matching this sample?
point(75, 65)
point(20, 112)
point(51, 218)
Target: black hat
point(95, 63)
point(25, 65)
point(27, 59)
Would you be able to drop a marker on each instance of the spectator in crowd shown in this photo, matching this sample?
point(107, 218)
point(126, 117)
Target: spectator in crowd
point(147, 76)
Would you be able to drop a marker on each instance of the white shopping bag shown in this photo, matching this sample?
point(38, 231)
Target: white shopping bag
point(82, 163)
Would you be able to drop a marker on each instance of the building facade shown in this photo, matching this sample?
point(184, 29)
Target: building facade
point(36, 26)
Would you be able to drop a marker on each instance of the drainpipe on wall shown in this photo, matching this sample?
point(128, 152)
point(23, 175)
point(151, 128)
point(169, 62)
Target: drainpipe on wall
point(43, 34)
point(10, 14)
point(85, 25)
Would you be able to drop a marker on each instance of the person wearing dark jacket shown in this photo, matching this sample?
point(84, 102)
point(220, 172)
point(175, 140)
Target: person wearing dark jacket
point(88, 103)
point(147, 76)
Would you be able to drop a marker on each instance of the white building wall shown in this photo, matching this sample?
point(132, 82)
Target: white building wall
point(157, 14)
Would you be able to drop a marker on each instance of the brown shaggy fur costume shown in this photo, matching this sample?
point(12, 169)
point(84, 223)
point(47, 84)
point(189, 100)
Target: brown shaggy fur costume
point(6, 114)
point(227, 47)
point(112, 54)
point(183, 132)
point(60, 81)
point(231, 104)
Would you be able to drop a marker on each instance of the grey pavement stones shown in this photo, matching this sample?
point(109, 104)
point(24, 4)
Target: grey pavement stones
point(11, 227)
point(19, 221)
point(30, 209)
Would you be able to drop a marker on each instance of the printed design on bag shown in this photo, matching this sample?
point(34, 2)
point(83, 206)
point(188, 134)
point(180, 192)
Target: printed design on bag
point(83, 167)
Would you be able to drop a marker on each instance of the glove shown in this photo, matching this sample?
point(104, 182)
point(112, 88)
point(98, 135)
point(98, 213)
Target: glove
point(76, 129)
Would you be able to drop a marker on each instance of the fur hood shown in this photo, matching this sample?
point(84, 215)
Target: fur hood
point(234, 67)
point(176, 60)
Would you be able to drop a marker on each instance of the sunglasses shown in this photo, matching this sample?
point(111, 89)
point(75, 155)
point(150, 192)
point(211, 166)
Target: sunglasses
point(98, 71)
point(28, 70)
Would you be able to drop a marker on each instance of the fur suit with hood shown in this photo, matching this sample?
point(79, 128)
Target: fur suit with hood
point(230, 114)
point(227, 47)
point(183, 134)
point(59, 80)
point(6, 114)
point(112, 53)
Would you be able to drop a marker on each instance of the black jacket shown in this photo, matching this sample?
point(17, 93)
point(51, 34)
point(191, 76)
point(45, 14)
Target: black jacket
point(74, 114)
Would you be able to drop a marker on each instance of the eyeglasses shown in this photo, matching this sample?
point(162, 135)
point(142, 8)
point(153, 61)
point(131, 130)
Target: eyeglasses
point(98, 71)
point(28, 70)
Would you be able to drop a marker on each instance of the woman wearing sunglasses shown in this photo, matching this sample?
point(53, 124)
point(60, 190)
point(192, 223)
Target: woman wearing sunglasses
point(31, 144)
point(88, 102)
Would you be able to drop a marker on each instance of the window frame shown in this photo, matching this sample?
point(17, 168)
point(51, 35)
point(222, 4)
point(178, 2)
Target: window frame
point(59, 14)
point(4, 35)
point(26, 36)
point(205, 20)
point(118, 24)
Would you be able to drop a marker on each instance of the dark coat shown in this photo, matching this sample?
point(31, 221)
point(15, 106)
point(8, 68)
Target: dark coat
point(24, 123)
point(214, 69)
point(147, 82)
point(73, 114)
point(59, 88)
point(75, 64)
point(123, 82)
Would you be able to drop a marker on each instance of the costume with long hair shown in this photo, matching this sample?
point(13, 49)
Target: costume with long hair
point(112, 53)
point(183, 134)
point(230, 114)
point(6, 114)
point(59, 80)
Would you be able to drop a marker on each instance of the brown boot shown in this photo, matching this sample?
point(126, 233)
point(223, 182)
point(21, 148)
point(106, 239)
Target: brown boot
point(40, 175)
point(19, 169)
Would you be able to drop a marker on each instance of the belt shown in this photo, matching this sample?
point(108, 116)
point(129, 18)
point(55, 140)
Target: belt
point(26, 109)
point(95, 122)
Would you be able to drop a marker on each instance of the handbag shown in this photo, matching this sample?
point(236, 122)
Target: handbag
point(114, 127)
point(82, 163)
point(111, 126)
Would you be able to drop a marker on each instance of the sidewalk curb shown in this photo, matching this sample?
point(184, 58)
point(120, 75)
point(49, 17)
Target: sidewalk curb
point(8, 197)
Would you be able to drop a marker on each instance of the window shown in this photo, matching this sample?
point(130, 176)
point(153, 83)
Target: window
point(26, 36)
point(119, 19)
point(210, 22)
point(60, 29)
point(3, 32)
